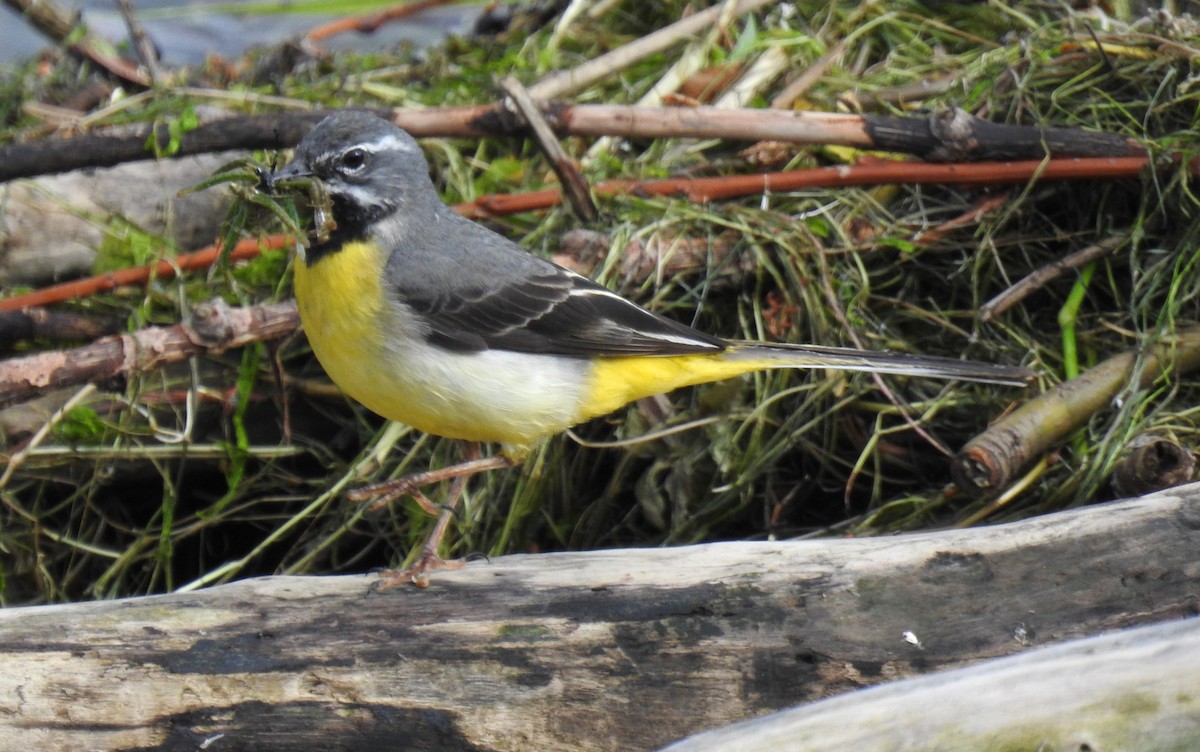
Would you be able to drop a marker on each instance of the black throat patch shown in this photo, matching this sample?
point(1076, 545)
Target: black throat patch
point(353, 223)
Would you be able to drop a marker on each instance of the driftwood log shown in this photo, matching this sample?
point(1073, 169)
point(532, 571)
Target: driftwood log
point(1131, 690)
point(628, 649)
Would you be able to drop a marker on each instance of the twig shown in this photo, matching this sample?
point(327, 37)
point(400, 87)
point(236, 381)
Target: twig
point(368, 24)
point(977, 211)
point(1039, 277)
point(570, 14)
point(940, 137)
point(42, 324)
point(874, 173)
point(991, 460)
point(141, 42)
point(47, 156)
point(164, 269)
point(60, 26)
point(213, 327)
point(568, 174)
point(687, 64)
point(583, 76)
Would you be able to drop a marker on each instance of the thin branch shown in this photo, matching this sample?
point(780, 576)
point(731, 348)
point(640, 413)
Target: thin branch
point(597, 69)
point(370, 23)
point(139, 275)
point(1038, 278)
point(874, 173)
point(213, 327)
point(566, 170)
point(60, 25)
point(141, 42)
point(949, 136)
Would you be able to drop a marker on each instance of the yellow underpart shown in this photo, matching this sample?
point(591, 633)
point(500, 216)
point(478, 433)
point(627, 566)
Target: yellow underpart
point(615, 382)
point(340, 302)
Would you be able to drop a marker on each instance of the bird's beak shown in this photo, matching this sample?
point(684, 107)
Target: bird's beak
point(291, 171)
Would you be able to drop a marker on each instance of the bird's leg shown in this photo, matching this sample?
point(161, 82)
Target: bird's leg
point(383, 493)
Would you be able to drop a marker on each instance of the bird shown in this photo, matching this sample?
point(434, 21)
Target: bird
point(432, 320)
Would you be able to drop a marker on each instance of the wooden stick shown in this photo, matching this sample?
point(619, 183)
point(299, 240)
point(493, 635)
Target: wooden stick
point(213, 327)
point(991, 460)
point(370, 23)
point(60, 25)
point(568, 174)
point(597, 69)
point(140, 275)
point(1036, 279)
point(142, 43)
point(39, 323)
point(872, 173)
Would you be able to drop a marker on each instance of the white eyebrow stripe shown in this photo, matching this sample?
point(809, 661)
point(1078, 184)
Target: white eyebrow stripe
point(389, 141)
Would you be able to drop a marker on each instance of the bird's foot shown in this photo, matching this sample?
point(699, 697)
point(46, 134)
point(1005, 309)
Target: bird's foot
point(417, 574)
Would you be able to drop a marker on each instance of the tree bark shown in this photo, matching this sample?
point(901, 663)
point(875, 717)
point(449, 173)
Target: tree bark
point(626, 649)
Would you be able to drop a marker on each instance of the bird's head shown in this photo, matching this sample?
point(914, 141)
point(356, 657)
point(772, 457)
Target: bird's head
point(368, 167)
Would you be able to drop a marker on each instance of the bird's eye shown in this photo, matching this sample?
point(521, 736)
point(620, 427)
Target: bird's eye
point(354, 159)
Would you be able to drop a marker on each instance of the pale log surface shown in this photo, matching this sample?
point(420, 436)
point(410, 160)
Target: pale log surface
point(626, 650)
point(52, 226)
point(1137, 690)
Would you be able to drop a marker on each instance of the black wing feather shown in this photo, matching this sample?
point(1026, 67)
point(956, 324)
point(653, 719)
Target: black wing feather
point(500, 297)
point(557, 313)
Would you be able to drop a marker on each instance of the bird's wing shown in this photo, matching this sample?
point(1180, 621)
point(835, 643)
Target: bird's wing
point(554, 311)
point(488, 293)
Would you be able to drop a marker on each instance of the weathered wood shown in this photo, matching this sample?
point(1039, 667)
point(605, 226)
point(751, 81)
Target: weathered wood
point(52, 226)
point(1138, 689)
point(626, 649)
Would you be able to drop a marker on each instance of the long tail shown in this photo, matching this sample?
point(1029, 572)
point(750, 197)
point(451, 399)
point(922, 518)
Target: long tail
point(816, 356)
point(615, 381)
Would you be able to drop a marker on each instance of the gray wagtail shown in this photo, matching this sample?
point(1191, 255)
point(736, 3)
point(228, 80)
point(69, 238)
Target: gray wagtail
point(434, 321)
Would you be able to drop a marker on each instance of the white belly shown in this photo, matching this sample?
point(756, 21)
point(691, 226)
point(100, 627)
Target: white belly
point(493, 395)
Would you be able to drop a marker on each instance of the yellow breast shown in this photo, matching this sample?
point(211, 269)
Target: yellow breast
point(340, 299)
